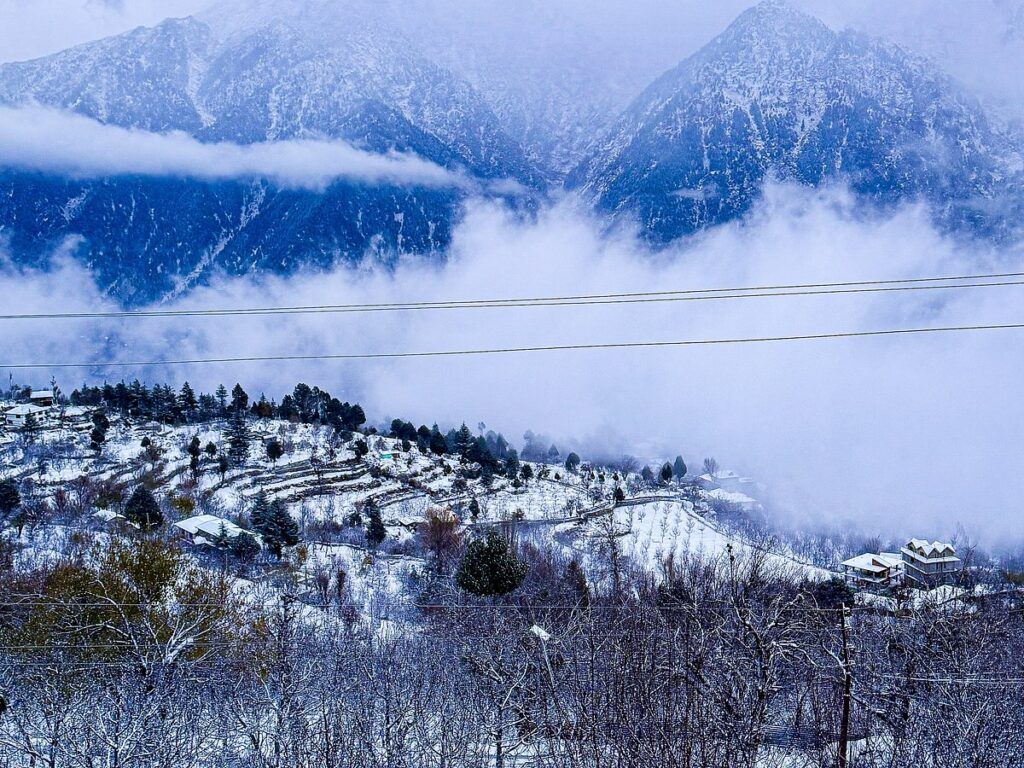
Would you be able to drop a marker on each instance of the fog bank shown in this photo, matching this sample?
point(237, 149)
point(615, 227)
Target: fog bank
point(903, 435)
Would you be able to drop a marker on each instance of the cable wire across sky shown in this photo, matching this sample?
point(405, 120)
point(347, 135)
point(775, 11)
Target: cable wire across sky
point(518, 350)
point(956, 282)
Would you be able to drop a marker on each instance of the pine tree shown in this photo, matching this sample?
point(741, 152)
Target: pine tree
point(29, 427)
point(489, 568)
point(264, 409)
point(647, 474)
point(259, 515)
point(464, 442)
point(239, 399)
point(187, 400)
point(100, 425)
point(244, 547)
point(511, 463)
point(438, 445)
point(143, 510)
point(375, 530)
point(274, 523)
point(679, 468)
point(576, 579)
point(666, 473)
point(10, 498)
point(274, 450)
point(238, 436)
point(222, 398)
point(572, 462)
point(194, 449)
point(285, 529)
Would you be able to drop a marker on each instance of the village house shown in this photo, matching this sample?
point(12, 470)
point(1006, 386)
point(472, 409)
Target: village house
point(929, 565)
point(873, 571)
point(208, 529)
point(75, 415)
point(726, 480)
point(42, 397)
point(18, 415)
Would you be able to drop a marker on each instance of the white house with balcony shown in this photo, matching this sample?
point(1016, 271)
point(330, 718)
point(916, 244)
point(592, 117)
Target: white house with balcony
point(18, 415)
point(928, 565)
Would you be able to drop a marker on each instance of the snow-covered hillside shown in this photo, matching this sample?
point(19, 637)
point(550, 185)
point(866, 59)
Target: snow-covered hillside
point(324, 481)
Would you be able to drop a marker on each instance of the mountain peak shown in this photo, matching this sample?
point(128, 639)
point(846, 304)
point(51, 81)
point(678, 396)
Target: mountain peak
point(779, 94)
point(777, 20)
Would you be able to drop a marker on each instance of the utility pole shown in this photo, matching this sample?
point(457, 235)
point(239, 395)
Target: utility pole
point(844, 723)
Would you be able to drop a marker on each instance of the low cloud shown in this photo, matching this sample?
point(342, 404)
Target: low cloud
point(52, 141)
point(902, 435)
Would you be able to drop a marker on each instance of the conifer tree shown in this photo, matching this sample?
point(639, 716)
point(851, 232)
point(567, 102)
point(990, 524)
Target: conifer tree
point(259, 515)
point(274, 523)
point(244, 547)
point(187, 400)
point(263, 409)
point(576, 580)
point(666, 473)
point(375, 530)
point(10, 498)
point(511, 463)
point(143, 510)
point(239, 399)
point(194, 450)
point(490, 568)
point(284, 531)
point(222, 398)
point(438, 445)
point(274, 450)
point(464, 442)
point(679, 468)
point(238, 436)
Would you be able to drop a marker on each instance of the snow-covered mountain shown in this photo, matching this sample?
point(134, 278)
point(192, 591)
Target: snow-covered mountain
point(778, 94)
point(781, 94)
point(146, 238)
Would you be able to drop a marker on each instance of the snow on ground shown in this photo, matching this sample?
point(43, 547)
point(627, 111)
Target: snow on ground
point(375, 583)
point(537, 500)
point(650, 533)
point(321, 478)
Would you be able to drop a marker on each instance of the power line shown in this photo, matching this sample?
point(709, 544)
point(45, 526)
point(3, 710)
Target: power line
point(518, 350)
point(702, 294)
